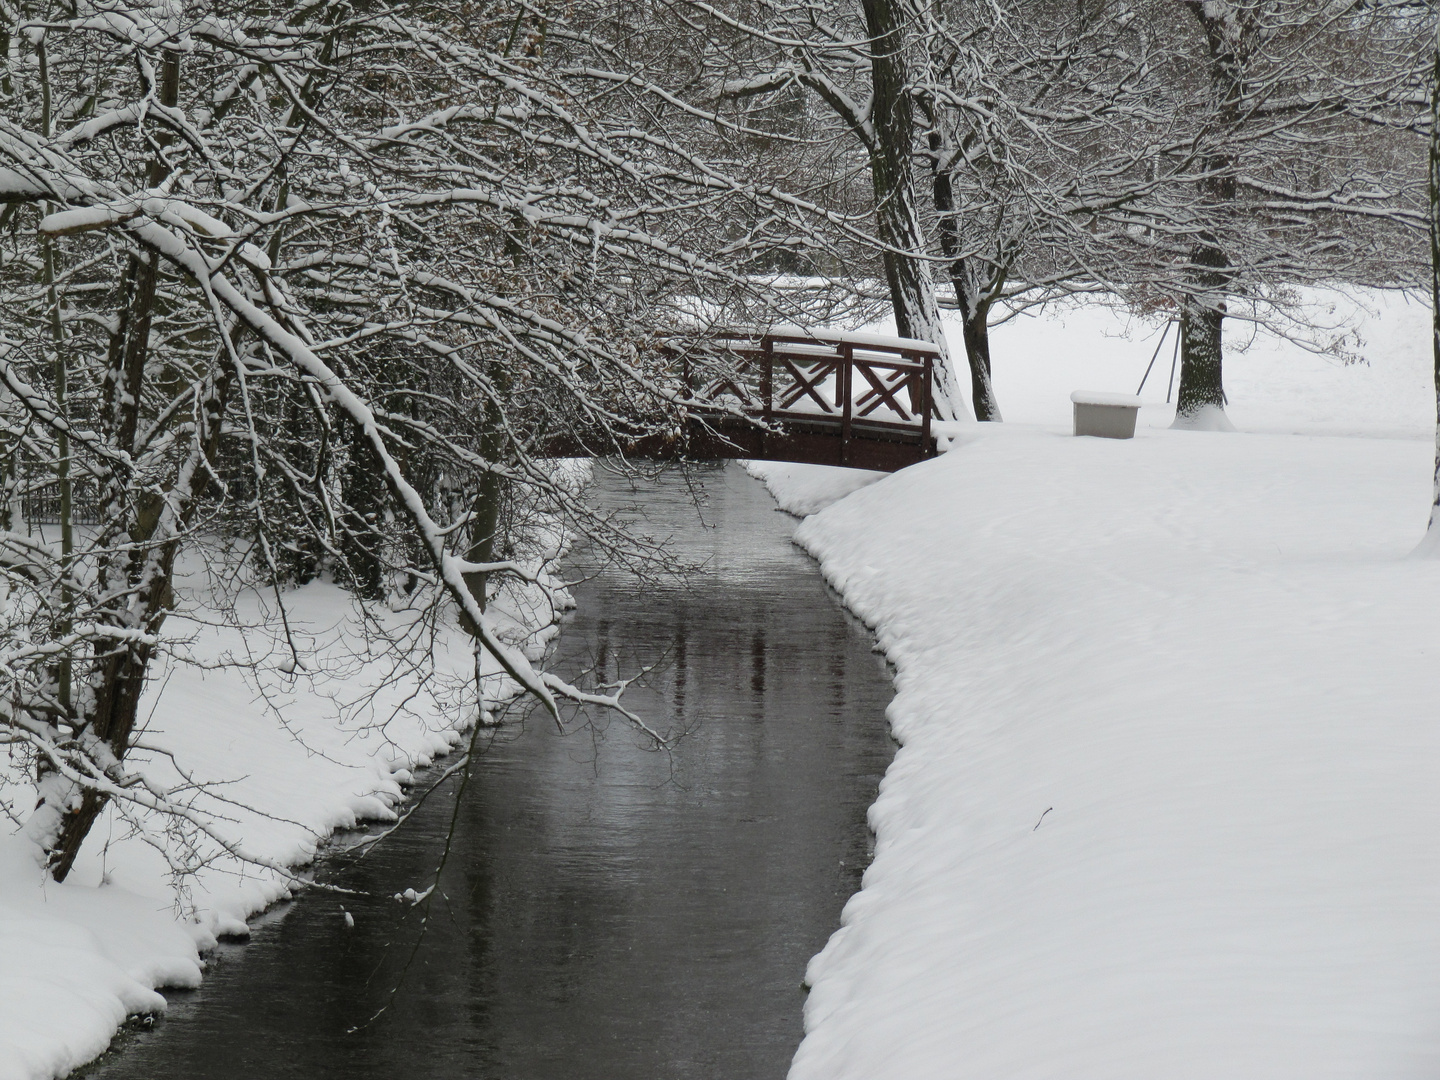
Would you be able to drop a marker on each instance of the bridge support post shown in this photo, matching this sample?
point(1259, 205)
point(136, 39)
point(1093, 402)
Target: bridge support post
point(927, 448)
point(767, 376)
point(842, 385)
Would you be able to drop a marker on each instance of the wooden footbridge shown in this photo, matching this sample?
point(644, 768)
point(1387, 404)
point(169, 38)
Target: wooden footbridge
point(859, 400)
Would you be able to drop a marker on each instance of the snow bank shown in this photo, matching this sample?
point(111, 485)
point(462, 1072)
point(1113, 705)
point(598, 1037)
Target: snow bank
point(1165, 796)
point(77, 962)
point(295, 755)
point(805, 489)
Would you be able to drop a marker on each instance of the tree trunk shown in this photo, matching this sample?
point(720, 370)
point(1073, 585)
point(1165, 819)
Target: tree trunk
point(485, 529)
point(362, 489)
point(1200, 402)
point(483, 535)
point(117, 676)
point(64, 667)
point(973, 301)
point(120, 680)
point(897, 225)
point(486, 509)
point(1431, 544)
point(976, 328)
point(119, 670)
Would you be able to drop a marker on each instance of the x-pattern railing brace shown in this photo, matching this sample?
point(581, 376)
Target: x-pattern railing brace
point(734, 386)
point(882, 393)
point(898, 384)
point(807, 384)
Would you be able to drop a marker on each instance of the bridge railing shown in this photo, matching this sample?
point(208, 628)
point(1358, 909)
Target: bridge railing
point(883, 386)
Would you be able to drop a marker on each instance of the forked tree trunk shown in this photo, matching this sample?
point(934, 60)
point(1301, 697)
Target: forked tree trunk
point(140, 578)
point(973, 301)
point(118, 673)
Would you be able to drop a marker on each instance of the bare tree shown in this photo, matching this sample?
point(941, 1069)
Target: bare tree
point(1031, 111)
point(333, 280)
point(1295, 177)
point(857, 64)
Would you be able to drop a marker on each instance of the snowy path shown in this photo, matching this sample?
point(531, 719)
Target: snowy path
point(1207, 663)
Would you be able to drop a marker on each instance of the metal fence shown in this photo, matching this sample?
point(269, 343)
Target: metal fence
point(40, 498)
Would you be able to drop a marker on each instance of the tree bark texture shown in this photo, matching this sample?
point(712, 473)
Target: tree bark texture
point(362, 486)
point(141, 578)
point(971, 298)
point(1202, 306)
point(489, 498)
point(897, 224)
point(118, 671)
point(1432, 533)
point(1202, 317)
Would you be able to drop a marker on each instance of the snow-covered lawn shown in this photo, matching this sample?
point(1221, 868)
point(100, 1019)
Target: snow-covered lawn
point(1169, 710)
point(1273, 384)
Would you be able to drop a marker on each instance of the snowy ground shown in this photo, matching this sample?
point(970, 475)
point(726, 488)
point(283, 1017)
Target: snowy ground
point(1274, 385)
point(297, 755)
point(1200, 664)
point(1166, 795)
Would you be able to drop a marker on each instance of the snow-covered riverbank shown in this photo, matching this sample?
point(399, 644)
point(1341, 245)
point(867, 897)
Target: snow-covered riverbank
point(1165, 795)
point(277, 759)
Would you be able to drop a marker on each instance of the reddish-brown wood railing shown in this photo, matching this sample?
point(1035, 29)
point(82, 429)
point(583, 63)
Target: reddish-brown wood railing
point(810, 379)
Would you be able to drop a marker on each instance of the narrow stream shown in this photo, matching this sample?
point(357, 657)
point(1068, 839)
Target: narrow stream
point(607, 911)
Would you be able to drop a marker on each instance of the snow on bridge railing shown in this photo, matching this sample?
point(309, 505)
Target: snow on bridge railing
point(860, 400)
point(868, 384)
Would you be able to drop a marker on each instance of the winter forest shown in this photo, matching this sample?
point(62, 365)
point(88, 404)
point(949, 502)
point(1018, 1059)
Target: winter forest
point(335, 294)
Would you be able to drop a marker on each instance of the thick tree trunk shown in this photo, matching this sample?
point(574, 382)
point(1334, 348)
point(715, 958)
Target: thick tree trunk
point(1201, 398)
point(484, 534)
point(976, 328)
point(1200, 402)
point(897, 224)
point(120, 679)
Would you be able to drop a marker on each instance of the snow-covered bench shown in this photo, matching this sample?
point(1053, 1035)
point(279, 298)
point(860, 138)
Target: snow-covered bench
point(1110, 416)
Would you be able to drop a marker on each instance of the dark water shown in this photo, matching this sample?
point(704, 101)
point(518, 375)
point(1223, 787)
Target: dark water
point(607, 911)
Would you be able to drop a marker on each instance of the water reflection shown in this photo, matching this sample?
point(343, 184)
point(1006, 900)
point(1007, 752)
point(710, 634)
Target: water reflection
point(607, 911)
